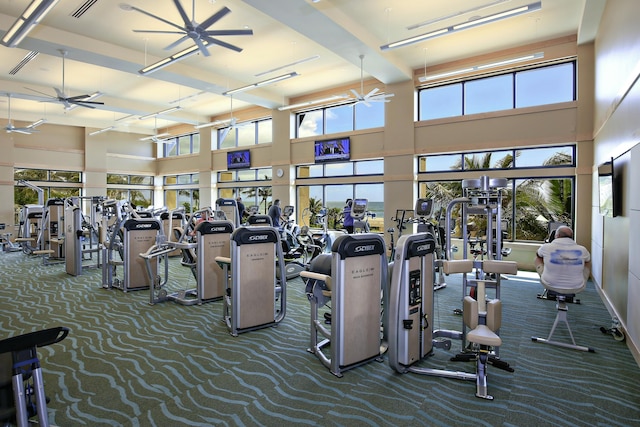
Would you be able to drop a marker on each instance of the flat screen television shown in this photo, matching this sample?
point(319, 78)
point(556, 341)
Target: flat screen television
point(332, 150)
point(607, 190)
point(239, 159)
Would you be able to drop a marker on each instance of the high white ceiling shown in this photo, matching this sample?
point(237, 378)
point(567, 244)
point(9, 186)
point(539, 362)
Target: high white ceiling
point(104, 53)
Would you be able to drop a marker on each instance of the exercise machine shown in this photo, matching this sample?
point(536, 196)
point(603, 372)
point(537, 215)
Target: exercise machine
point(482, 198)
point(30, 225)
point(412, 336)
point(138, 235)
point(352, 278)
point(26, 375)
point(51, 234)
point(212, 239)
point(360, 215)
point(5, 240)
point(424, 209)
point(254, 296)
point(172, 221)
point(81, 237)
point(230, 209)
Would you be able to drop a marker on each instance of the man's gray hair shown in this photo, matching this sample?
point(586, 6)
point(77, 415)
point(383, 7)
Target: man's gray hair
point(564, 231)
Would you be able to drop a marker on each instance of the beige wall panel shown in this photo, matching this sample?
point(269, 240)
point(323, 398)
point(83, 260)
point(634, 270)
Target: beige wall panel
point(176, 165)
point(131, 165)
point(514, 128)
point(126, 144)
point(54, 137)
point(49, 159)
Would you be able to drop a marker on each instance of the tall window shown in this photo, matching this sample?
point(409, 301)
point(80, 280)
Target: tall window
point(312, 199)
point(525, 88)
point(252, 185)
point(137, 189)
point(181, 145)
point(340, 118)
point(182, 191)
point(246, 134)
point(529, 203)
point(319, 190)
point(53, 183)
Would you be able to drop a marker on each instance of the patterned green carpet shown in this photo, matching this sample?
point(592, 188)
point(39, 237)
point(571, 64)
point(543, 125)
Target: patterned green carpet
point(126, 363)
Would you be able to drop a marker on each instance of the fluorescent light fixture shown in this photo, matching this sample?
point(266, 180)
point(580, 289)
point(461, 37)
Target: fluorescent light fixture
point(415, 39)
point(300, 61)
point(262, 83)
point(31, 17)
point(465, 25)
point(313, 102)
point(171, 59)
point(154, 137)
point(210, 124)
point(537, 55)
point(96, 132)
point(159, 113)
point(454, 15)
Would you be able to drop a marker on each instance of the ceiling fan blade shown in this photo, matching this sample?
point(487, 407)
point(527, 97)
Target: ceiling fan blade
point(382, 97)
point(177, 42)
point(355, 93)
point(229, 32)
point(213, 18)
point(224, 133)
point(211, 40)
point(202, 47)
point(78, 97)
point(59, 93)
point(80, 101)
point(182, 13)
point(86, 104)
point(41, 93)
point(370, 94)
point(158, 32)
point(144, 12)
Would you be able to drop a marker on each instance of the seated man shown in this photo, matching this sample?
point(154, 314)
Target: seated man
point(562, 263)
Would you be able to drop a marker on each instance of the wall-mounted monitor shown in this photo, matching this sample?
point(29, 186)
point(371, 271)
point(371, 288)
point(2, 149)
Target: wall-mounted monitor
point(238, 159)
point(332, 150)
point(608, 190)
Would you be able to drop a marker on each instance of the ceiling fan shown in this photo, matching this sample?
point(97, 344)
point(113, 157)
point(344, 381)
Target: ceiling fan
point(68, 101)
point(233, 123)
point(373, 95)
point(158, 138)
point(190, 29)
point(27, 130)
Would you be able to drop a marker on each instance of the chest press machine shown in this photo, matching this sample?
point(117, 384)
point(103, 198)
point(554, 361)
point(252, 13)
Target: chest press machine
point(352, 282)
point(411, 332)
point(254, 296)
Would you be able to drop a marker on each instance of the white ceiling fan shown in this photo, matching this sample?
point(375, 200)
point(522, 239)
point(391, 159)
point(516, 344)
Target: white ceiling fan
point(68, 101)
point(27, 130)
point(158, 138)
point(232, 123)
point(190, 29)
point(373, 95)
